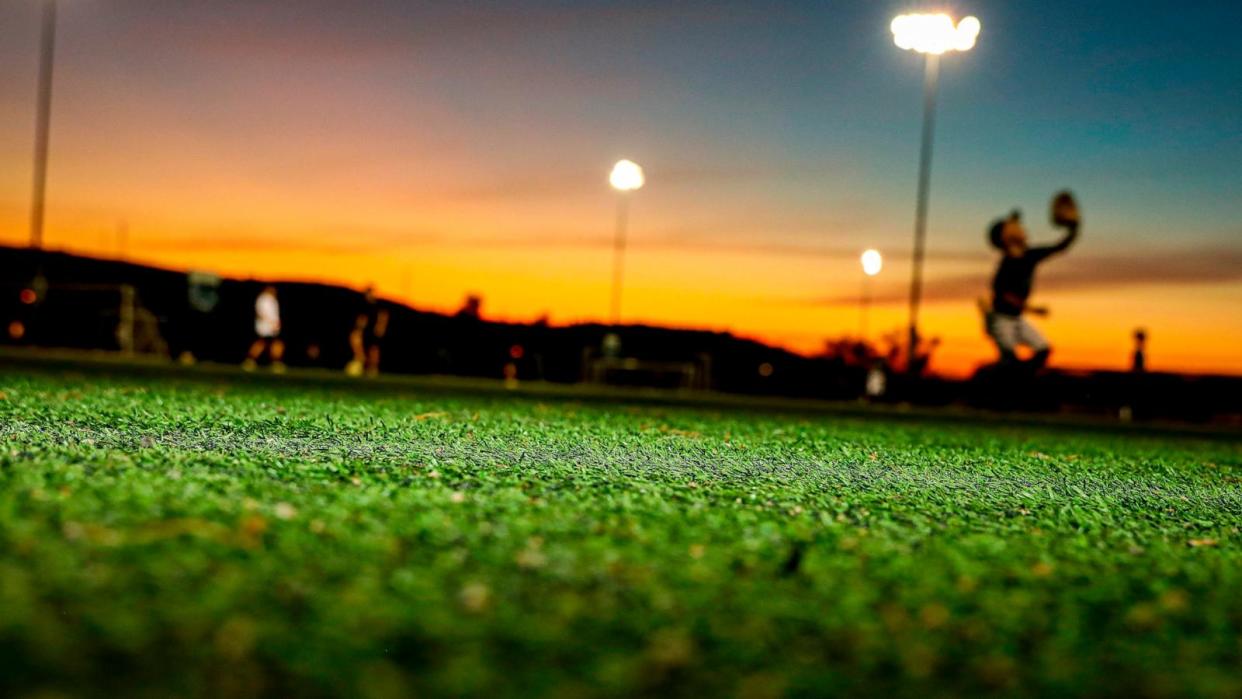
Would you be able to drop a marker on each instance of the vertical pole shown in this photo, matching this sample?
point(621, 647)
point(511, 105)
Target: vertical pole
point(47, 48)
point(930, 78)
point(865, 307)
point(618, 256)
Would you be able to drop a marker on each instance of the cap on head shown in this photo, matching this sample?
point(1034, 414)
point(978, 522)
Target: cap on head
point(997, 230)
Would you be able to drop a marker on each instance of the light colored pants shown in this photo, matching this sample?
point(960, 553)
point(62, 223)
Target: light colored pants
point(1011, 332)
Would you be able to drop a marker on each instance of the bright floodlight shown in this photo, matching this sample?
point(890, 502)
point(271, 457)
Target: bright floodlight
point(934, 33)
point(626, 176)
point(872, 262)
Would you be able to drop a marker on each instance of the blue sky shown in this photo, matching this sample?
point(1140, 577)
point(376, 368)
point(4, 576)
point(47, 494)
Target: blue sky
point(785, 132)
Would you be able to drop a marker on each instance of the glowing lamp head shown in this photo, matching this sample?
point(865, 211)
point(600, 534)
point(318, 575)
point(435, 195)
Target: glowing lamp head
point(872, 262)
point(934, 34)
point(626, 176)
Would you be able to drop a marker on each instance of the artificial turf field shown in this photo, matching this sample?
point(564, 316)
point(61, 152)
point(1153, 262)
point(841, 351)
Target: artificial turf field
point(187, 537)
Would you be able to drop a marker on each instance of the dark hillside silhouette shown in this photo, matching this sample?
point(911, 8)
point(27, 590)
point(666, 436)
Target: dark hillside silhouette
point(78, 306)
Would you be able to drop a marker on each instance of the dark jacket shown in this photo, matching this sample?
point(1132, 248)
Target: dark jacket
point(1014, 276)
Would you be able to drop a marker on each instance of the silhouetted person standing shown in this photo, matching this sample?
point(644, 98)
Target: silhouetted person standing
point(267, 332)
point(923, 355)
point(1138, 363)
point(370, 326)
point(202, 297)
point(1015, 275)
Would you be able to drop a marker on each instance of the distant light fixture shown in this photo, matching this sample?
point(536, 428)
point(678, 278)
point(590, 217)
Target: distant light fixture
point(872, 262)
point(930, 35)
point(934, 34)
point(626, 176)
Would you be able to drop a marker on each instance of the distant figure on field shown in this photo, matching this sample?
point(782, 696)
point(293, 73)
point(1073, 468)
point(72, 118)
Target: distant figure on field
point(1011, 287)
point(202, 297)
point(1138, 364)
point(370, 326)
point(877, 380)
point(471, 307)
point(267, 332)
point(923, 352)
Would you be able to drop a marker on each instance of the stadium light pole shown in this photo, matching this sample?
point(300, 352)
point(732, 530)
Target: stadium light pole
point(626, 177)
point(930, 35)
point(47, 49)
point(872, 263)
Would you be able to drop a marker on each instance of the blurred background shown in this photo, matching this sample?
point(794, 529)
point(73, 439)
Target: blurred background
point(443, 151)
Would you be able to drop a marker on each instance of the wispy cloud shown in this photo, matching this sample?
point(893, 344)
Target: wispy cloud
point(583, 182)
point(1212, 265)
point(342, 244)
point(348, 30)
point(355, 243)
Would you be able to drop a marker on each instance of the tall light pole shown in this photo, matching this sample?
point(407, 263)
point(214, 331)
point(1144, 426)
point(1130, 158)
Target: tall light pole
point(47, 50)
point(872, 263)
point(626, 177)
point(930, 35)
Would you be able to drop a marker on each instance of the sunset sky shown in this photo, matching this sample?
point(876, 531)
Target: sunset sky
point(442, 148)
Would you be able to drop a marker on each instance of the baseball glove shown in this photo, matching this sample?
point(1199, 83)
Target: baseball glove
point(1064, 209)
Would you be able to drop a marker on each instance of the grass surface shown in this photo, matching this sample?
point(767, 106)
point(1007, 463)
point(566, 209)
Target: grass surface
point(181, 537)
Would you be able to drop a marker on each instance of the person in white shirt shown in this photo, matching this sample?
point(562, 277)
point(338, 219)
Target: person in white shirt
point(267, 332)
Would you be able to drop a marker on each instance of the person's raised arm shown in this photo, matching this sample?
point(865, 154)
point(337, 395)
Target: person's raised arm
point(1071, 234)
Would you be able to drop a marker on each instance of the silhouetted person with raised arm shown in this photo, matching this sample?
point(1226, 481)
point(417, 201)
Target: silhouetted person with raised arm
point(1015, 275)
point(370, 326)
point(1138, 362)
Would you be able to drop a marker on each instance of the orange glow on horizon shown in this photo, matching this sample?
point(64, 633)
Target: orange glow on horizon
point(726, 292)
point(434, 152)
